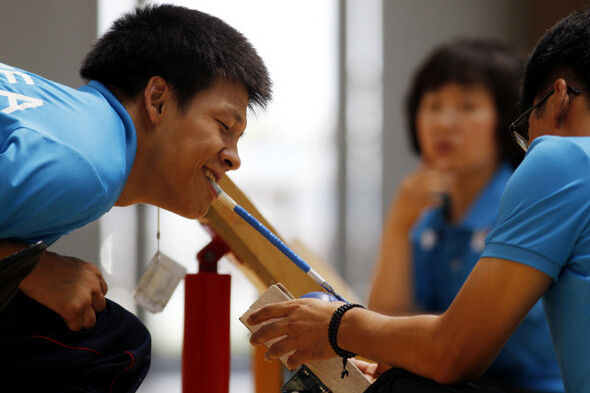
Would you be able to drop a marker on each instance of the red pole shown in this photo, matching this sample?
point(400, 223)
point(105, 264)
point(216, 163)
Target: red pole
point(205, 352)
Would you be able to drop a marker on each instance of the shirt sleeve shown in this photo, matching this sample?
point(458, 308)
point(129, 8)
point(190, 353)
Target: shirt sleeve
point(47, 189)
point(545, 207)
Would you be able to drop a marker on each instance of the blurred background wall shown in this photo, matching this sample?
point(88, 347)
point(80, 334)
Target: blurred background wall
point(324, 160)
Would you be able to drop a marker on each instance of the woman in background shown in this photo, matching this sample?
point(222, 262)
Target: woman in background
point(459, 106)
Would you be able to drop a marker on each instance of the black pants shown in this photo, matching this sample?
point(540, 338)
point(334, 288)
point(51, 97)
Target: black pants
point(39, 353)
point(400, 381)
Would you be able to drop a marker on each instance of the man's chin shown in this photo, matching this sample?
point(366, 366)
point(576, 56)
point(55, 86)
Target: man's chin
point(194, 213)
point(205, 213)
point(200, 213)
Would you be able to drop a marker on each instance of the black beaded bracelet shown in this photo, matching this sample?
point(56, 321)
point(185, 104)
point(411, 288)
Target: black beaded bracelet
point(333, 332)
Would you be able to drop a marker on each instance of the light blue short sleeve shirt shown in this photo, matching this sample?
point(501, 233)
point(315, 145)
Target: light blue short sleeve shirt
point(65, 155)
point(544, 222)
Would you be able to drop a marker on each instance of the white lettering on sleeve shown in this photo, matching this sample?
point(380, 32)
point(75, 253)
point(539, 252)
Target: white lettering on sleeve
point(11, 76)
point(11, 72)
point(13, 102)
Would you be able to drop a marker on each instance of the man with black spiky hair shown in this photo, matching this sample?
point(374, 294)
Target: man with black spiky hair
point(166, 102)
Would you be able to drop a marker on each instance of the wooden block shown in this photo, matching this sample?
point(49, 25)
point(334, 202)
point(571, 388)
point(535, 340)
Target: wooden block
point(268, 376)
point(328, 371)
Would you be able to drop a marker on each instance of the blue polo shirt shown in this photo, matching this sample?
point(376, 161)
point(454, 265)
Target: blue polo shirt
point(444, 255)
point(65, 155)
point(544, 222)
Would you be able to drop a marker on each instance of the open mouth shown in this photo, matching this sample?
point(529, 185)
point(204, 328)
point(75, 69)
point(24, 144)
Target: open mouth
point(210, 175)
point(213, 181)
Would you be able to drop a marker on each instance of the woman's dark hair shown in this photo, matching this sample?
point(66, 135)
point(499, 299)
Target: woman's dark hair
point(490, 63)
point(562, 52)
point(188, 48)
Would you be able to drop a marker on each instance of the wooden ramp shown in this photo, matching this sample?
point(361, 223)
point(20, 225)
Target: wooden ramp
point(261, 262)
point(265, 266)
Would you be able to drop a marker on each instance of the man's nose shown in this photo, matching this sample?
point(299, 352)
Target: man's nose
point(231, 158)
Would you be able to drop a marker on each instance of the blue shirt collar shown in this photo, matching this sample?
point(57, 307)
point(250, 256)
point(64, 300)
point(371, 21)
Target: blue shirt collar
point(130, 132)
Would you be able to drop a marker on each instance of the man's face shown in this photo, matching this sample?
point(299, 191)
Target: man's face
point(199, 145)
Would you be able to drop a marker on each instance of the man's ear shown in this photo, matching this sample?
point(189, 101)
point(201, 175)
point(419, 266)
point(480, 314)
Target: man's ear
point(156, 94)
point(562, 103)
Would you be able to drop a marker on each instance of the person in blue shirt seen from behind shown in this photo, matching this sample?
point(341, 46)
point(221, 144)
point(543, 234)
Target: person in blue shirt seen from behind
point(539, 248)
point(459, 106)
point(166, 103)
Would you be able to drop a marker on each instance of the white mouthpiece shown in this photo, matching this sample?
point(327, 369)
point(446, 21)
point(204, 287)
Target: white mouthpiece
point(218, 189)
point(223, 197)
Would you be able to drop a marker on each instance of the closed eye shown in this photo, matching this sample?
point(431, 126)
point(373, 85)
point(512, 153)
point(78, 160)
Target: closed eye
point(225, 127)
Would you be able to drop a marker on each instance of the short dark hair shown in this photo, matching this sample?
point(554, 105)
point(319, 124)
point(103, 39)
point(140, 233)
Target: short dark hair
point(472, 61)
point(563, 51)
point(188, 48)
